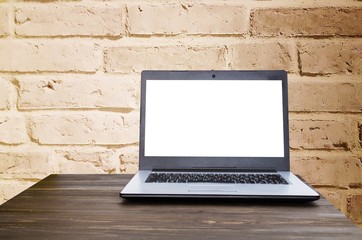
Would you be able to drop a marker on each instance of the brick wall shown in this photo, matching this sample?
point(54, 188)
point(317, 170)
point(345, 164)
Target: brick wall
point(69, 81)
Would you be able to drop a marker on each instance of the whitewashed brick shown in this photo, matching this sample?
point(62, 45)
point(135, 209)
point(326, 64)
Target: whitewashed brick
point(26, 165)
point(80, 161)
point(12, 129)
point(68, 20)
point(330, 57)
point(172, 19)
point(138, 58)
point(129, 158)
point(60, 92)
point(5, 93)
point(85, 128)
point(11, 188)
point(263, 56)
point(49, 56)
point(4, 21)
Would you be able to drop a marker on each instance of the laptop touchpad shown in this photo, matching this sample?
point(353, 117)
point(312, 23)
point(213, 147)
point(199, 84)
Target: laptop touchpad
point(212, 188)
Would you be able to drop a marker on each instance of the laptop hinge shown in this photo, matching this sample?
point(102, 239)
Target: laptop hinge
point(213, 170)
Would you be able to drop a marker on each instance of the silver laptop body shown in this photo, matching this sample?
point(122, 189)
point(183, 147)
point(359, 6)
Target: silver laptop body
point(215, 134)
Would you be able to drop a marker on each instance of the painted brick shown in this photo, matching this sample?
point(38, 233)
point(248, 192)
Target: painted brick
point(321, 134)
point(85, 128)
point(325, 96)
point(187, 19)
point(4, 21)
point(12, 129)
point(338, 197)
point(354, 209)
point(136, 59)
point(91, 161)
point(128, 158)
point(263, 55)
point(307, 22)
point(60, 92)
point(26, 165)
point(71, 20)
point(360, 133)
point(347, 201)
point(330, 57)
point(329, 171)
point(5, 93)
point(49, 56)
point(10, 188)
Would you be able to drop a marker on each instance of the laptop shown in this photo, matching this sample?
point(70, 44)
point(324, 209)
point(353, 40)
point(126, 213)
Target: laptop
point(215, 134)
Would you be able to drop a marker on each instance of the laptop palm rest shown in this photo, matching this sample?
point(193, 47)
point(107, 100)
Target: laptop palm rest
point(212, 188)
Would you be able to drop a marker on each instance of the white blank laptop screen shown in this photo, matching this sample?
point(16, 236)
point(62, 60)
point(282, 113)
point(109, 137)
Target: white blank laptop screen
point(214, 118)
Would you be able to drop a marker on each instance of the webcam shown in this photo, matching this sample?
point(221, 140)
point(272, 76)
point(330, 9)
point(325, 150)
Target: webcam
point(213, 76)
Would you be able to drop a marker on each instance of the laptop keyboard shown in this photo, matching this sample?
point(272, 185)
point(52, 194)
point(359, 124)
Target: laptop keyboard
point(241, 178)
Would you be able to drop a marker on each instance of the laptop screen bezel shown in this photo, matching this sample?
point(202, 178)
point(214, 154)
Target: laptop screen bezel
point(162, 162)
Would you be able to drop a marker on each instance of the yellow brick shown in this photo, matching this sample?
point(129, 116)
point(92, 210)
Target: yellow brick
point(328, 171)
point(320, 21)
point(346, 200)
point(321, 134)
point(354, 207)
point(70, 20)
point(73, 91)
point(49, 56)
point(360, 133)
point(136, 59)
point(172, 19)
point(325, 96)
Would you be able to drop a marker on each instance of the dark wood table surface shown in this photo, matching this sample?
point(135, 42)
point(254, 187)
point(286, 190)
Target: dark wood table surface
point(89, 207)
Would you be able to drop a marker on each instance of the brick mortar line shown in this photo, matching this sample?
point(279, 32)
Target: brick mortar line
point(69, 3)
point(97, 76)
point(293, 115)
point(71, 146)
point(248, 35)
point(65, 111)
point(90, 148)
point(349, 191)
point(353, 152)
point(325, 78)
point(323, 115)
point(180, 38)
point(301, 4)
point(322, 153)
point(292, 77)
point(300, 114)
point(249, 3)
point(297, 114)
point(33, 147)
point(82, 109)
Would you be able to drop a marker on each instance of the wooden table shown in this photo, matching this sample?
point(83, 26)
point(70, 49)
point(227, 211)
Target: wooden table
point(89, 207)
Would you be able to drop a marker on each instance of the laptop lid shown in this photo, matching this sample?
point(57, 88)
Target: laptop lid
point(214, 120)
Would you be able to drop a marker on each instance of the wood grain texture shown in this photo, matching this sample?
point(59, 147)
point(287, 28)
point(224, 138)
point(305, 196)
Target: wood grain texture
point(89, 207)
